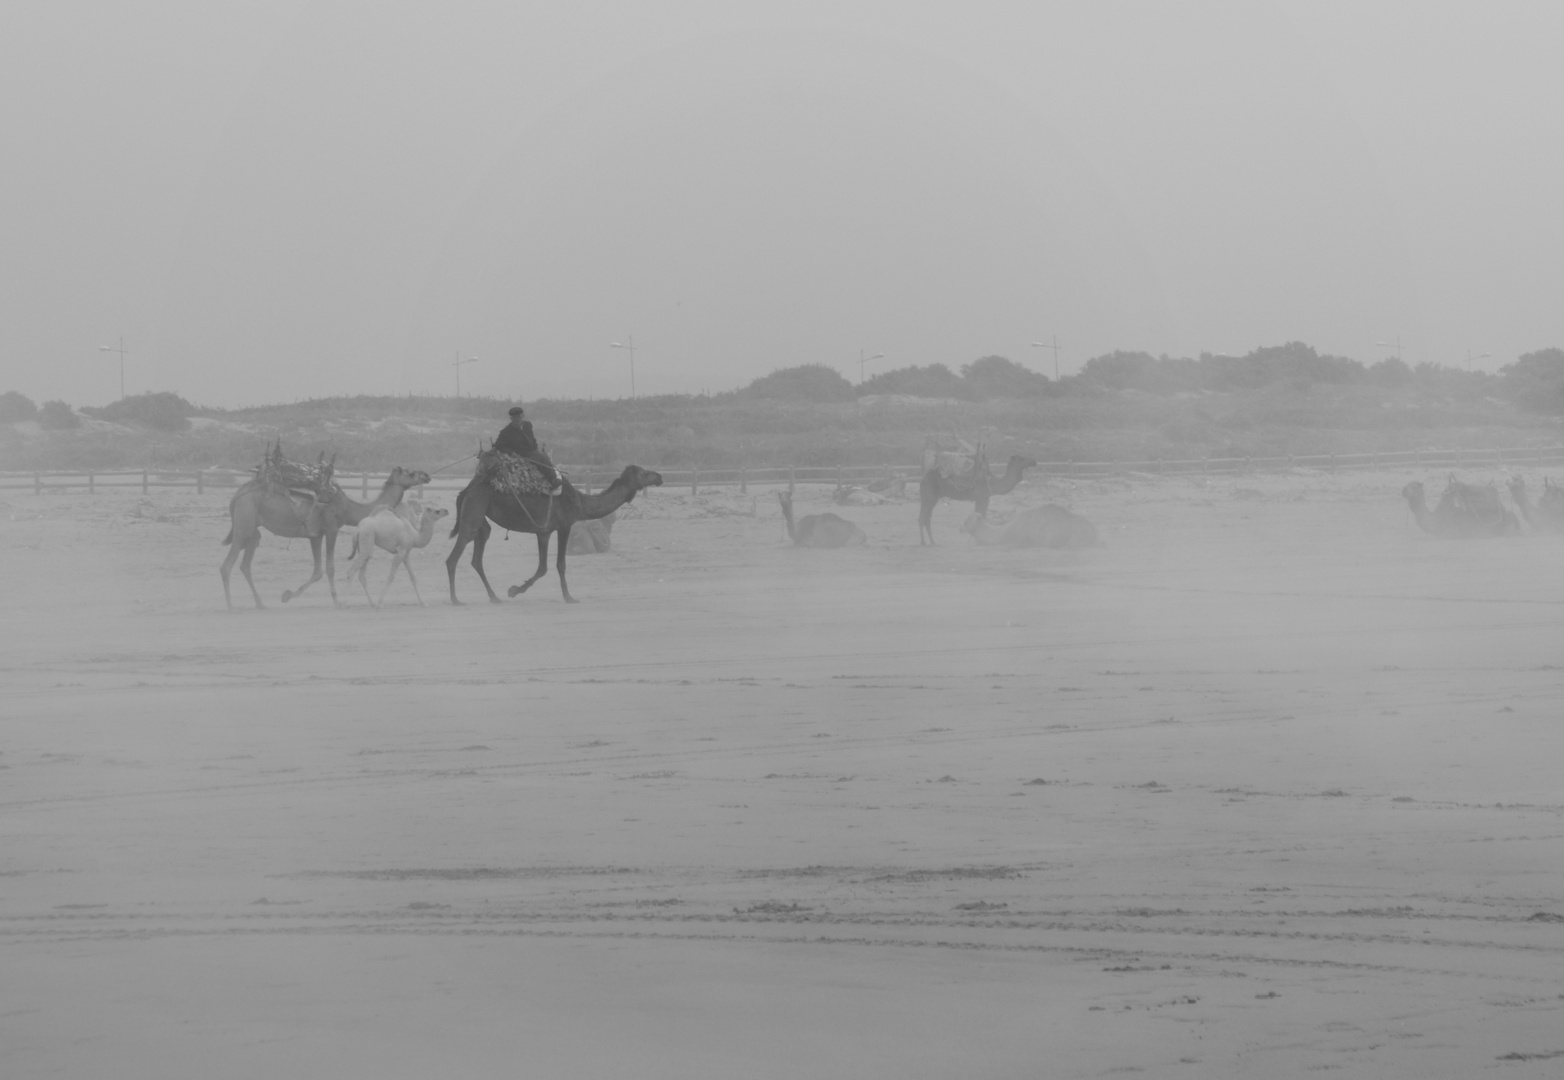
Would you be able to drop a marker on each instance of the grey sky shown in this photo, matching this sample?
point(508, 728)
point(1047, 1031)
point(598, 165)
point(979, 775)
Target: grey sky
point(281, 200)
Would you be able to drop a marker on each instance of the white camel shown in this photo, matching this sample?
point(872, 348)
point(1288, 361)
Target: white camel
point(385, 528)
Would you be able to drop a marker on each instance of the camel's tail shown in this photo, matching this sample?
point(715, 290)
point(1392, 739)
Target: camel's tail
point(456, 518)
point(230, 537)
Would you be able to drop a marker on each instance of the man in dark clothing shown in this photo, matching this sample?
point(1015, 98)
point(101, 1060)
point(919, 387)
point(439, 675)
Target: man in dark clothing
point(517, 437)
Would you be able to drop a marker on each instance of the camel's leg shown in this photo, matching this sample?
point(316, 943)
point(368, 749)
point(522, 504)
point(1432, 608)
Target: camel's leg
point(228, 567)
point(289, 594)
point(453, 559)
point(360, 567)
point(480, 542)
point(516, 590)
point(564, 543)
point(407, 564)
point(331, 563)
point(396, 561)
point(244, 565)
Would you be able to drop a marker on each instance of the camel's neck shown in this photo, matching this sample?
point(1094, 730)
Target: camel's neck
point(787, 517)
point(606, 501)
point(354, 512)
point(1420, 513)
point(425, 531)
point(1006, 483)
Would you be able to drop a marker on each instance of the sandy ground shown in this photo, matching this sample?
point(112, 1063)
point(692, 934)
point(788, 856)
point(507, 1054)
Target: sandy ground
point(1268, 786)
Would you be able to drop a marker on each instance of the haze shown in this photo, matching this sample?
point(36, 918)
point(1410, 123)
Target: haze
point(285, 200)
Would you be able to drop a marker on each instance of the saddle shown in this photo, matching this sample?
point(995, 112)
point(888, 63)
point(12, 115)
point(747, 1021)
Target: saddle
point(512, 474)
point(305, 486)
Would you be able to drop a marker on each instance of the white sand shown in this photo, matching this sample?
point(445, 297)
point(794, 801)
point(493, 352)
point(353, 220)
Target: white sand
point(752, 811)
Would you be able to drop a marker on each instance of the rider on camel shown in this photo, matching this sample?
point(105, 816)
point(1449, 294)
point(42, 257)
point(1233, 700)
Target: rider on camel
point(517, 438)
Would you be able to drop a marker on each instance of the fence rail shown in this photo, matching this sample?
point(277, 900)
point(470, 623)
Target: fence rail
point(589, 477)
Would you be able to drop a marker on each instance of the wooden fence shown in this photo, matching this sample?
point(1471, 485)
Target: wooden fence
point(695, 479)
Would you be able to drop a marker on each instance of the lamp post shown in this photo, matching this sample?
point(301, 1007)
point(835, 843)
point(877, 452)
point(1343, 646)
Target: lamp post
point(862, 360)
point(1396, 345)
point(120, 348)
point(1054, 345)
point(457, 364)
point(630, 346)
point(1470, 358)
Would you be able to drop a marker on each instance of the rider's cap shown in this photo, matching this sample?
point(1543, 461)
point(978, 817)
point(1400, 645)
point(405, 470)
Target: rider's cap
point(515, 410)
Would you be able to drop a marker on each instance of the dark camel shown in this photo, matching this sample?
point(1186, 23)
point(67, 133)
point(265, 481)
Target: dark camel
point(1464, 510)
point(976, 488)
point(819, 530)
point(257, 506)
point(478, 504)
point(1548, 515)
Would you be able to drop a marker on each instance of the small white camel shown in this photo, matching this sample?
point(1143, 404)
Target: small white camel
point(385, 528)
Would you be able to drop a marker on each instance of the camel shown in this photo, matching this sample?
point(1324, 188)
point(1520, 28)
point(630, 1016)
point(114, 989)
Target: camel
point(1464, 510)
point(819, 530)
point(976, 489)
point(479, 503)
point(388, 529)
point(257, 506)
point(1047, 526)
point(1548, 514)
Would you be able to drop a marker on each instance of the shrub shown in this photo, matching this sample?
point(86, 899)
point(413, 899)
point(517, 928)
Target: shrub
point(16, 407)
point(934, 381)
point(165, 410)
point(999, 377)
point(1536, 380)
point(58, 416)
point(807, 382)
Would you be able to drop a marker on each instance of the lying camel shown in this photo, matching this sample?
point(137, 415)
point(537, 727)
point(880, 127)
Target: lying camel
point(388, 529)
point(819, 530)
point(1047, 526)
point(1464, 510)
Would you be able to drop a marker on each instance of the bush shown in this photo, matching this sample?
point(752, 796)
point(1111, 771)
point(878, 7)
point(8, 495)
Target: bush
point(16, 407)
point(1536, 380)
point(934, 381)
point(998, 377)
point(165, 411)
point(807, 382)
point(58, 416)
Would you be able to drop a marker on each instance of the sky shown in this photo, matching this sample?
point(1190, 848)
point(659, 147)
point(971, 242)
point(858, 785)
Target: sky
point(269, 201)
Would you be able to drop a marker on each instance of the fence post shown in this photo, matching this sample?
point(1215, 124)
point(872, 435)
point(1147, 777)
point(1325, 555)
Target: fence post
point(839, 475)
point(37, 483)
point(143, 481)
point(363, 485)
point(1417, 460)
point(695, 480)
point(90, 489)
point(743, 481)
point(1332, 465)
point(792, 479)
point(199, 486)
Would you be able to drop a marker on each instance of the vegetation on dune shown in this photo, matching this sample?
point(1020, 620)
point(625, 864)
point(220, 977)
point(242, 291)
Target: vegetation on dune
point(1123, 406)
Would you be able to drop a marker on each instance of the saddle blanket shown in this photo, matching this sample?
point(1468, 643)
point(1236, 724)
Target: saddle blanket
point(512, 473)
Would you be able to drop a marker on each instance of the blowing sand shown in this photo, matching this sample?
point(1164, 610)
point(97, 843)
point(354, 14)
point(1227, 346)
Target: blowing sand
point(1268, 786)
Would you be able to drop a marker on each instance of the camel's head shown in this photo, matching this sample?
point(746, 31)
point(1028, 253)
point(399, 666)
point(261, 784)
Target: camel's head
point(1517, 486)
point(1413, 493)
point(1020, 463)
point(634, 478)
point(407, 478)
point(786, 499)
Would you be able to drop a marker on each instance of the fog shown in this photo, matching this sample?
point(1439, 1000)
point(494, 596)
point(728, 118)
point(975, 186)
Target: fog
point(282, 200)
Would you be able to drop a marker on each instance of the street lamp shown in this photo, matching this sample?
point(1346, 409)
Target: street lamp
point(1396, 345)
point(457, 364)
point(120, 348)
point(1470, 358)
point(631, 347)
point(862, 360)
point(1054, 345)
